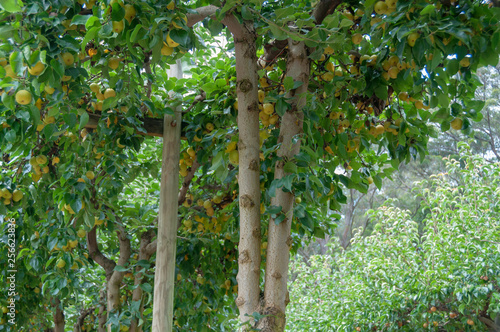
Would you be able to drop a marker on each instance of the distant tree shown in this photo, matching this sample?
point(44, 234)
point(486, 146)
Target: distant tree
point(445, 277)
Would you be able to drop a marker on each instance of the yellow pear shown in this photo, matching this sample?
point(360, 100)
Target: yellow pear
point(37, 69)
point(109, 93)
point(68, 58)
point(129, 13)
point(23, 97)
point(171, 42)
point(166, 50)
point(113, 63)
point(117, 26)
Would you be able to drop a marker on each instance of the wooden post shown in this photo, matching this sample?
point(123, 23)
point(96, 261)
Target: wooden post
point(163, 301)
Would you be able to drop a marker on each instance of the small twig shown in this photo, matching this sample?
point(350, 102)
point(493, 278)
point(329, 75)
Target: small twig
point(199, 98)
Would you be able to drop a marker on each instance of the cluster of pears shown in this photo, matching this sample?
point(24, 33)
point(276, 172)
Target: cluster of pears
point(419, 104)
point(34, 69)
point(39, 166)
point(45, 121)
point(393, 65)
point(9, 197)
point(101, 96)
point(186, 160)
point(340, 121)
point(234, 155)
point(212, 224)
point(331, 69)
point(130, 13)
point(386, 7)
point(266, 111)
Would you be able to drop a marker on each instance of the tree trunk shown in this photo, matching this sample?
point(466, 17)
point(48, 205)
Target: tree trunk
point(144, 254)
point(58, 316)
point(81, 319)
point(115, 281)
point(248, 146)
point(279, 239)
point(248, 177)
point(345, 239)
point(113, 278)
point(163, 302)
point(102, 310)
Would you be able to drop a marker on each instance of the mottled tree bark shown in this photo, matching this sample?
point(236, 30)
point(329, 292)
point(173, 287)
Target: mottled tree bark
point(59, 322)
point(248, 177)
point(279, 239)
point(144, 254)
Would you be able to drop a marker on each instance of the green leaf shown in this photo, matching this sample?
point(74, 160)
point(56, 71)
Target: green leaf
point(134, 33)
point(8, 101)
point(120, 268)
point(246, 14)
point(117, 12)
point(279, 219)
point(10, 136)
point(277, 32)
point(93, 20)
point(88, 37)
point(6, 31)
point(381, 92)
point(345, 23)
point(35, 115)
point(377, 180)
point(281, 106)
point(16, 61)
point(428, 10)
point(290, 167)
point(288, 83)
point(84, 119)
point(80, 19)
point(35, 263)
point(179, 36)
point(273, 209)
point(284, 12)
point(146, 287)
point(11, 6)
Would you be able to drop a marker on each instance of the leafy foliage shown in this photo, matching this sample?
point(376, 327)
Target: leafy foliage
point(444, 278)
point(82, 81)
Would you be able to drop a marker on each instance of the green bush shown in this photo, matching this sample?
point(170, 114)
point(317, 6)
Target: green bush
point(444, 276)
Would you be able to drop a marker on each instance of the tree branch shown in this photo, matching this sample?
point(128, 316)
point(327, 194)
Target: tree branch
point(125, 248)
point(107, 264)
point(325, 8)
point(187, 181)
point(201, 14)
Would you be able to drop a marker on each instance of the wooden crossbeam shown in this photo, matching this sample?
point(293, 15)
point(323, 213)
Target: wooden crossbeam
point(154, 127)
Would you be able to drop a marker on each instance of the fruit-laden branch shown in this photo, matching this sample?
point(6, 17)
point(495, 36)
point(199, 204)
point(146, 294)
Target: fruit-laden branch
point(187, 182)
